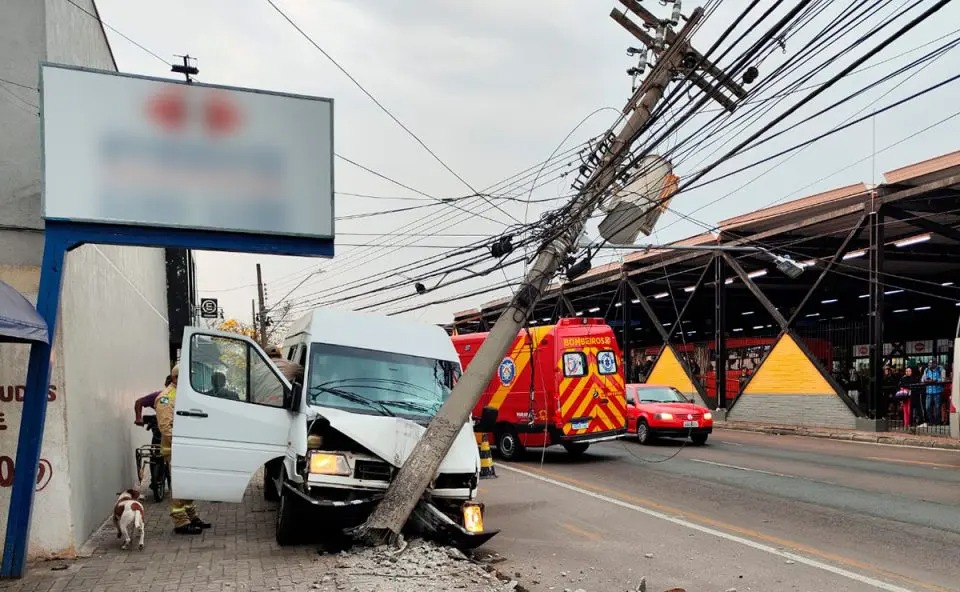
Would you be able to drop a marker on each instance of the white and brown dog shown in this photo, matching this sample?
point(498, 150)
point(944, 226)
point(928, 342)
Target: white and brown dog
point(129, 511)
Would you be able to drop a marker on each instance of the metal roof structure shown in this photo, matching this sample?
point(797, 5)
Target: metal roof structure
point(920, 198)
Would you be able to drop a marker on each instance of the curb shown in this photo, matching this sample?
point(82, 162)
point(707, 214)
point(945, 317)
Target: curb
point(872, 438)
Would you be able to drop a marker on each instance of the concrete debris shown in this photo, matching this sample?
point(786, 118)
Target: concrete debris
point(418, 566)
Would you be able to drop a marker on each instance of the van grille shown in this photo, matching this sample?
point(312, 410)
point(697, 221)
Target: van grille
point(372, 470)
point(456, 481)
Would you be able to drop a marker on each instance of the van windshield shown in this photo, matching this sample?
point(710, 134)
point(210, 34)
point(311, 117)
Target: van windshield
point(377, 382)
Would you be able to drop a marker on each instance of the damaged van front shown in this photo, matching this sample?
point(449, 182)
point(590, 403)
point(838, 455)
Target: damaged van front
point(370, 386)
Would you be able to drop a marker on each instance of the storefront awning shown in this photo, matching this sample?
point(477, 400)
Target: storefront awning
point(19, 320)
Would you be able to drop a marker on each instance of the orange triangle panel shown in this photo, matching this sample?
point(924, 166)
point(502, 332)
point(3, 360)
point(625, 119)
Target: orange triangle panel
point(788, 371)
point(668, 372)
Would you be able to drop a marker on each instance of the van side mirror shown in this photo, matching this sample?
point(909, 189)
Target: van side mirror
point(487, 421)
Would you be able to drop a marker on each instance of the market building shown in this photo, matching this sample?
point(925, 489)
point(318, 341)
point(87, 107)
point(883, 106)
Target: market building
point(828, 347)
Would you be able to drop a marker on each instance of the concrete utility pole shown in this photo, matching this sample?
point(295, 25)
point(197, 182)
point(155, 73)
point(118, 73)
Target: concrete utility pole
point(263, 313)
point(389, 517)
point(253, 319)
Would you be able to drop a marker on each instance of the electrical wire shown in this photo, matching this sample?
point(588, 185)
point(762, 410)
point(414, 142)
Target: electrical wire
point(381, 105)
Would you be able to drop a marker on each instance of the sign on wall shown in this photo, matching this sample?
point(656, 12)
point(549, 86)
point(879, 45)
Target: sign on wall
point(122, 149)
point(209, 308)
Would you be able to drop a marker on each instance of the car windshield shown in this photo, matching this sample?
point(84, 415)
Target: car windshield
point(660, 395)
point(378, 382)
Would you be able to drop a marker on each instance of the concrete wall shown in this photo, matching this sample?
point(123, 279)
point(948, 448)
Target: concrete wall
point(53, 537)
point(22, 40)
point(794, 410)
point(112, 342)
point(115, 341)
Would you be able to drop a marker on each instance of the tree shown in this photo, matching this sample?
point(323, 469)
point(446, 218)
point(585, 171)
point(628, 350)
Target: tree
point(235, 326)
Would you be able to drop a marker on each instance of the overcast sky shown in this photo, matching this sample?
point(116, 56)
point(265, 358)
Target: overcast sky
point(493, 87)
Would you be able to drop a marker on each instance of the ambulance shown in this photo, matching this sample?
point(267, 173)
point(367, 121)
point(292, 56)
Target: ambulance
point(558, 384)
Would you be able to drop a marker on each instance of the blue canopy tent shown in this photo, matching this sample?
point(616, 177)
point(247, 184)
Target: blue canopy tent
point(19, 320)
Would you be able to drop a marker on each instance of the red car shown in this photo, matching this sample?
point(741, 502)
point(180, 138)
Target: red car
point(655, 410)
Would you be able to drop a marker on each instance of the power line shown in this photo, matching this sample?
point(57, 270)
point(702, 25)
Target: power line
point(99, 20)
point(379, 104)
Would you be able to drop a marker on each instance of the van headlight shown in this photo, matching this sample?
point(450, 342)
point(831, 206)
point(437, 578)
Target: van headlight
point(326, 463)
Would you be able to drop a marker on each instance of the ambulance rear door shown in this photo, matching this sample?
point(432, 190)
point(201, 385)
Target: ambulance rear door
point(234, 412)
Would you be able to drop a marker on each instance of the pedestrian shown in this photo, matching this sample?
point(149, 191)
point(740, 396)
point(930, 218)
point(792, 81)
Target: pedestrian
point(903, 394)
point(183, 512)
point(292, 371)
point(934, 376)
point(148, 402)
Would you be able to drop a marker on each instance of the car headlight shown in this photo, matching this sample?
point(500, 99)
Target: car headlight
point(664, 416)
point(708, 415)
point(325, 463)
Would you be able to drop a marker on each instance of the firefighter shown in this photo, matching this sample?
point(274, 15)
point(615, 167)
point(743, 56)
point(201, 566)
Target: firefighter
point(183, 512)
point(290, 370)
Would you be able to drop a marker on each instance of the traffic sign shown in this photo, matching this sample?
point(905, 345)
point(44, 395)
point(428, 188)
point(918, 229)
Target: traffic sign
point(209, 309)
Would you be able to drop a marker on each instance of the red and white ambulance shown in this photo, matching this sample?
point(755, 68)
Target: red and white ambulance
point(558, 384)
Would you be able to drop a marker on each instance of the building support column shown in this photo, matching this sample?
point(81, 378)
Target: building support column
point(877, 397)
point(627, 328)
point(720, 331)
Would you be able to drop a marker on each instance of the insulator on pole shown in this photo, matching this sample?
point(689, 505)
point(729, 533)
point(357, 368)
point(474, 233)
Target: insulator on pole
point(675, 17)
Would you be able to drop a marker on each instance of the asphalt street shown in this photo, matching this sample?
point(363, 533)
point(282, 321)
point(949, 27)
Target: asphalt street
point(747, 511)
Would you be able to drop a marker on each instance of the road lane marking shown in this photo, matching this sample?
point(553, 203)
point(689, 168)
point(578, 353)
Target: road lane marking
point(664, 513)
point(739, 468)
point(593, 536)
point(913, 462)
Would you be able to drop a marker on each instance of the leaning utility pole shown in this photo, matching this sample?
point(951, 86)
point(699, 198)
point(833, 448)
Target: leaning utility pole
point(263, 313)
point(389, 517)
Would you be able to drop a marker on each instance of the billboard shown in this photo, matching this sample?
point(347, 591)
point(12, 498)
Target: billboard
point(122, 149)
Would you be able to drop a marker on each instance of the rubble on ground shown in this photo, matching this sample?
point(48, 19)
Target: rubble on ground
point(416, 566)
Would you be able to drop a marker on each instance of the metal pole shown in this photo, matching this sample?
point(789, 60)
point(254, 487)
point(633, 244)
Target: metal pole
point(390, 515)
point(720, 330)
point(877, 398)
point(627, 328)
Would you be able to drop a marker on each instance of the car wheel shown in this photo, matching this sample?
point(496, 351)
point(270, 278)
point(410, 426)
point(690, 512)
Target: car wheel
point(270, 472)
point(508, 444)
point(644, 435)
point(576, 448)
point(699, 439)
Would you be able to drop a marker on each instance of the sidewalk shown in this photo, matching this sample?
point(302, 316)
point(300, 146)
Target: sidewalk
point(895, 438)
point(239, 554)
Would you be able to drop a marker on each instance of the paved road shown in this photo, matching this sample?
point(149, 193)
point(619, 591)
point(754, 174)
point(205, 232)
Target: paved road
point(748, 511)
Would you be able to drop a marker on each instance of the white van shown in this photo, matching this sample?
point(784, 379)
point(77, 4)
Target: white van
point(332, 445)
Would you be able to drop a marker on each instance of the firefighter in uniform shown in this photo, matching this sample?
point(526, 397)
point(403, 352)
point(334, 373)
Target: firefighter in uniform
point(183, 512)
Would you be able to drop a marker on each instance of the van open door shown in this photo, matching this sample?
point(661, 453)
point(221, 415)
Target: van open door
point(234, 411)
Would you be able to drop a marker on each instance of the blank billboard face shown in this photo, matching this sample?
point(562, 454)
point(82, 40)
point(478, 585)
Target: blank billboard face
point(120, 149)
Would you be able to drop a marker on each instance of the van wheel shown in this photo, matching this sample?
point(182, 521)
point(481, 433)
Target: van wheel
point(699, 439)
point(509, 445)
point(271, 472)
point(576, 448)
point(288, 519)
